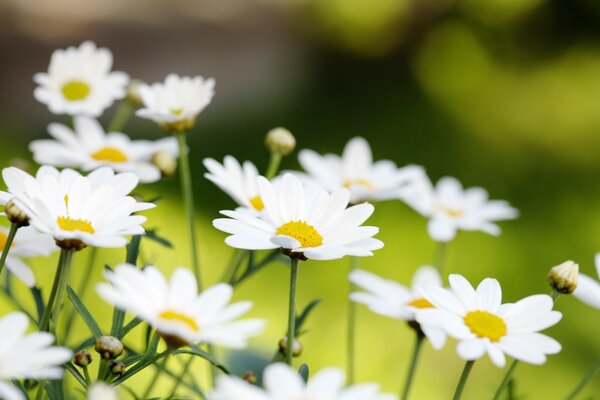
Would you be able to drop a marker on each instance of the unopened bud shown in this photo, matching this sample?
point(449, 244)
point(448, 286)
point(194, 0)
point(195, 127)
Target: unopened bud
point(165, 162)
point(564, 277)
point(280, 141)
point(133, 92)
point(249, 377)
point(15, 214)
point(82, 358)
point(117, 368)
point(109, 347)
point(296, 348)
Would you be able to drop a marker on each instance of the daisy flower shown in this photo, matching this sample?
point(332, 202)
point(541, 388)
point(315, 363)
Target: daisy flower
point(482, 324)
point(79, 81)
point(391, 299)
point(27, 356)
point(356, 171)
point(88, 147)
point(102, 391)
point(282, 382)
point(27, 243)
point(588, 289)
point(306, 222)
point(450, 208)
point(175, 103)
point(176, 310)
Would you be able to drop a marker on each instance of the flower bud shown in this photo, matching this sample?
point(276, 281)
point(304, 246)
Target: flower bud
point(71, 244)
point(165, 162)
point(15, 214)
point(249, 377)
point(280, 141)
point(133, 92)
point(296, 348)
point(564, 277)
point(109, 347)
point(82, 358)
point(117, 367)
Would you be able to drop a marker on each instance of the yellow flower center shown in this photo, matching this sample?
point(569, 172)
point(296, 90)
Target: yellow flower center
point(358, 182)
point(76, 90)
point(171, 315)
point(71, 224)
point(452, 212)
point(110, 154)
point(421, 303)
point(485, 325)
point(302, 232)
point(257, 203)
point(3, 239)
point(177, 111)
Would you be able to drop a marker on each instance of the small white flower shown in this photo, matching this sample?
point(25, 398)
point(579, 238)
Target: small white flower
point(25, 355)
point(306, 221)
point(88, 147)
point(102, 391)
point(176, 310)
point(282, 382)
point(94, 210)
point(79, 81)
point(356, 171)
point(391, 299)
point(588, 289)
point(27, 243)
point(482, 324)
point(450, 208)
point(176, 103)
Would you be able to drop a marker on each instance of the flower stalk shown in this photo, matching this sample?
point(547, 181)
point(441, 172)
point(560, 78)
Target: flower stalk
point(419, 339)
point(351, 328)
point(294, 263)
point(463, 380)
point(9, 240)
point(506, 380)
point(58, 288)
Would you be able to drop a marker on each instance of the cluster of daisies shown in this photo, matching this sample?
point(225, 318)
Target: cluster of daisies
point(317, 214)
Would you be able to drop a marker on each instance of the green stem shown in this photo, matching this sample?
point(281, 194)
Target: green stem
point(506, 380)
point(58, 288)
point(161, 368)
point(292, 310)
point(419, 339)
point(82, 289)
point(351, 333)
point(440, 257)
point(121, 117)
point(585, 380)
point(86, 373)
point(273, 167)
point(463, 380)
point(180, 377)
point(9, 239)
point(40, 392)
point(188, 198)
point(234, 264)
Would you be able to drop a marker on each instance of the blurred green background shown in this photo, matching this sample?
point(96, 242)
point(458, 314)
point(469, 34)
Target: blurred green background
point(504, 94)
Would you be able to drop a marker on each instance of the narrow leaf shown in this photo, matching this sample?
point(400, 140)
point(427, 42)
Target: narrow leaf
point(85, 314)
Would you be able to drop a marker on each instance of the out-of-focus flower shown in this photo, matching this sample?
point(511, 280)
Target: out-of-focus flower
point(88, 147)
point(588, 289)
point(482, 324)
point(102, 391)
point(450, 208)
point(175, 103)
point(176, 310)
point(79, 81)
point(282, 382)
point(25, 355)
point(356, 171)
point(27, 243)
point(564, 277)
point(391, 299)
point(306, 222)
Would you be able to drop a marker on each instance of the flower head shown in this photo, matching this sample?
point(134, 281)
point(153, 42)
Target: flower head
point(450, 208)
point(305, 221)
point(356, 171)
point(482, 324)
point(102, 391)
point(564, 277)
point(588, 289)
point(25, 355)
point(175, 103)
point(176, 310)
point(79, 81)
point(88, 147)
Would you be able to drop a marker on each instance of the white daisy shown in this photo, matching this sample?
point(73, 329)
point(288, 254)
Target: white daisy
point(25, 355)
point(88, 147)
point(482, 324)
point(356, 171)
point(450, 208)
point(282, 382)
point(176, 103)
point(391, 299)
point(588, 289)
point(85, 210)
point(176, 310)
point(79, 81)
point(102, 391)
point(308, 223)
point(27, 243)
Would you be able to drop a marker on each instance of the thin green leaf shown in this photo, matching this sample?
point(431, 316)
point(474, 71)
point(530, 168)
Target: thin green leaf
point(76, 374)
point(301, 319)
point(85, 314)
point(195, 350)
point(150, 357)
point(39, 301)
point(127, 328)
point(304, 372)
point(85, 344)
point(133, 249)
point(153, 235)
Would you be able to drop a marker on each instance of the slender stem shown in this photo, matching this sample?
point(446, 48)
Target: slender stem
point(40, 392)
point(273, 167)
point(121, 117)
point(86, 373)
point(161, 368)
point(506, 380)
point(180, 377)
point(419, 339)
point(351, 328)
point(188, 198)
point(234, 264)
point(9, 239)
point(292, 310)
point(440, 257)
point(585, 380)
point(81, 289)
point(463, 380)
point(58, 287)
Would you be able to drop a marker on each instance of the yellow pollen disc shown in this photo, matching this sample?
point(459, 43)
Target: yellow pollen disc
point(257, 203)
point(71, 224)
point(452, 212)
point(421, 303)
point(177, 111)
point(302, 232)
point(359, 182)
point(109, 154)
point(76, 90)
point(485, 325)
point(176, 316)
point(3, 239)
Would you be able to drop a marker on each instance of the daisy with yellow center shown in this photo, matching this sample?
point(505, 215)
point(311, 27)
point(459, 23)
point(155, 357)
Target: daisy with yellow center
point(176, 310)
point(483, 325)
